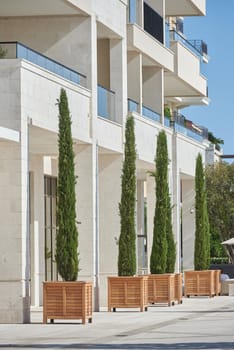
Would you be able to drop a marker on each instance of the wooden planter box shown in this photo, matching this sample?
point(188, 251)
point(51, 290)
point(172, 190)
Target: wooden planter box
point(199, 283)
point(161, 288)
point(178, 288)
point(217, 282)
point(67, 300)
point(128, 292)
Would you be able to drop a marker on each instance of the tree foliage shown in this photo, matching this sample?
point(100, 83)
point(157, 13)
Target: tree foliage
point(171, 246)
point(127, 239)
point(202, 233)
point(220, 197)
point(162, 257)
point(67, 234)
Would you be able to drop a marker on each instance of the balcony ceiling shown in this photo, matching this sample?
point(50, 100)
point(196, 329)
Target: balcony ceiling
point(10, 8)
point(176, 87)
point(185, 7)
point(43, 142)
point(182, 102)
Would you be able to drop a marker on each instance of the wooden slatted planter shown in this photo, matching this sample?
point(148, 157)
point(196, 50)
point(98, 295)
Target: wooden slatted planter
point(67, 300)
point(178, 288)
point(128, 292)
point(199, 283)
point(161, 288)
point(217, 282)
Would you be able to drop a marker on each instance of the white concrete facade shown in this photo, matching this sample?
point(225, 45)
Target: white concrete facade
point(112, 63)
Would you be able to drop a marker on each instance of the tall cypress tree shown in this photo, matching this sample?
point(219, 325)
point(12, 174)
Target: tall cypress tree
point(158, 258)
point(202, 235)
point(127, 239)
point(171, 247)
point(67, 234)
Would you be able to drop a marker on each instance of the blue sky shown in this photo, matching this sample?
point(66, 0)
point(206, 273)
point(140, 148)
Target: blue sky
point(217, 30)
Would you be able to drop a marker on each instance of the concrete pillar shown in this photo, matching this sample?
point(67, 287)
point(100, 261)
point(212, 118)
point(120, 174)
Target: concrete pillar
point(118, 73)
point(153, 97)
point(176, 199)
point(140, 239)
point(188, 220)
point(14, 233)
point(151, 200)
point(110, 167)
point(37, 232)
point(86, 209)
point(135, 78)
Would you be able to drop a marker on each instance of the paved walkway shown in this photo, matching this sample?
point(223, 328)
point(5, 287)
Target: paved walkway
point(199, 323)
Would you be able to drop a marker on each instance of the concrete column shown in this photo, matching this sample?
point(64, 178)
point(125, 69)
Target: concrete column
point(153, 95)
point(37, 235)
point(188, 220)
point(176, 202)
point(14, 233)
point(86, 216)
point(151, 200)
point(110, 167)
point(118, 73)
point(140, 227)
point(135, 78)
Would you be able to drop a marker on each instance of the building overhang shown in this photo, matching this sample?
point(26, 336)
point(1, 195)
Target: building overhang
point(14, 8)
point(185, 7)
point(182, 102)
point(7, 134)
point(154, 52)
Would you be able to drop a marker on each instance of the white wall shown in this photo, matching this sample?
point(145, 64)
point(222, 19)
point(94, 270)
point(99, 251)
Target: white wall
point(110, 167)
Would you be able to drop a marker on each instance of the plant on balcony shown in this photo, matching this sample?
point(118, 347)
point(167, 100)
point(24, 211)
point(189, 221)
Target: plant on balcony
point(215, 140)
point(64, 299)
point(167, 112)
point(128, 290)
point(2, 52)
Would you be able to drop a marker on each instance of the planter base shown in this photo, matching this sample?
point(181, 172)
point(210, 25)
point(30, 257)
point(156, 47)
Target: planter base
point(128, 292)
point(67, 300)
point(199, 283)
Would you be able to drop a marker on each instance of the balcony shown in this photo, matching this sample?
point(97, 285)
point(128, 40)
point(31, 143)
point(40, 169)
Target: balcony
point(15, 49)
point(106, 104)
point(133, 106)
point(186, 80)
point(153, 22)
point(198, 47)
point(147, 112)
point(185, 8)
point(150, 114)
point(186, 127)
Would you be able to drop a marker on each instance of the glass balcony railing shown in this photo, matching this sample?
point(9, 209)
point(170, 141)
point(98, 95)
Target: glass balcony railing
point(167, 121)
point(149, 113)
point(198, 47)
point(132, 11)
point(133, 106)
point(106, 103)
point(187, 127)
point(18, 50)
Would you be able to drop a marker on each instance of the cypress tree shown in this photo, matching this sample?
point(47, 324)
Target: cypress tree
point(171, 247)
point(67, 234)
point(202, 235)
point(158, 258)
point(127, 239)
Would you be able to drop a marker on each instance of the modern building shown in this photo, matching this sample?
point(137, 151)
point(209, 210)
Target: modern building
point(114, 58)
